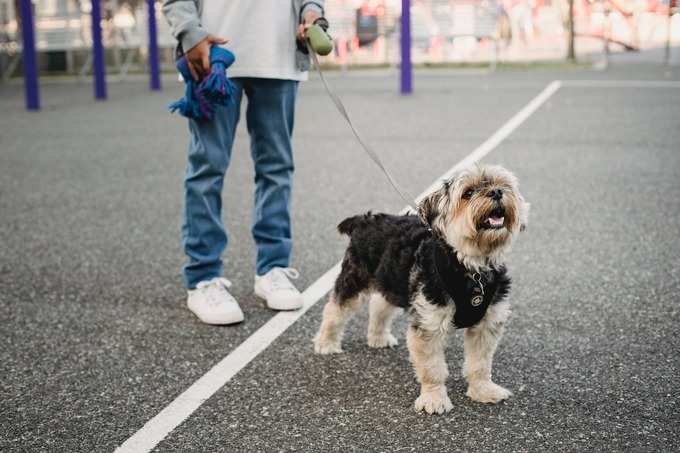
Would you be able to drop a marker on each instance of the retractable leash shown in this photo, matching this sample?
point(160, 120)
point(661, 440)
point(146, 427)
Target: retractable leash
point(318, 42)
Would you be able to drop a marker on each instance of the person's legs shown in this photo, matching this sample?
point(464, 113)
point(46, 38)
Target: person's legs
point(203, 235)
point(270, 115)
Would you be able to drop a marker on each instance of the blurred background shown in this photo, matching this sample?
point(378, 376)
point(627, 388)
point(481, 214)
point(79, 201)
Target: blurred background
point(444, 32)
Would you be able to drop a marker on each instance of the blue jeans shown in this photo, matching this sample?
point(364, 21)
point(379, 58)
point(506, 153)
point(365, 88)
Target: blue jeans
point(269, 116)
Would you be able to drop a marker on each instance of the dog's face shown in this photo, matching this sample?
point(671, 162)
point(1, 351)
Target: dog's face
point(478, 212)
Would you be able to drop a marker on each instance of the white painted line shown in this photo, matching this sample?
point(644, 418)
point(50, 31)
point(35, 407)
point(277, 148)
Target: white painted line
point(622, 83)
point(156, 429)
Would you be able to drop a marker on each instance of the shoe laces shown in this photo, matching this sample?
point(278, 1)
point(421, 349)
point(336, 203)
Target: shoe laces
point(280, 278)
point(215, 290)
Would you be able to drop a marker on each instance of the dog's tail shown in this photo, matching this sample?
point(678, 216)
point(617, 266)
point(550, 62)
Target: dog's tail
point(348, 225)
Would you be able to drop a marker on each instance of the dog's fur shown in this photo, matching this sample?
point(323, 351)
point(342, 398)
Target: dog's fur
point(446, 267)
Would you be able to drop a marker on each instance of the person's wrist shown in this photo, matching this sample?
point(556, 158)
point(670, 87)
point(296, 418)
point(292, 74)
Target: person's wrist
point(192, 38)
point(310, 16)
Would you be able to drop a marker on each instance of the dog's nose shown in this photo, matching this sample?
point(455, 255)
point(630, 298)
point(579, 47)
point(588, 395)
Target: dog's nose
point(496, 194)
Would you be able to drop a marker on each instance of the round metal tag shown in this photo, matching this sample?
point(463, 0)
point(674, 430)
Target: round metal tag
point(476, 301)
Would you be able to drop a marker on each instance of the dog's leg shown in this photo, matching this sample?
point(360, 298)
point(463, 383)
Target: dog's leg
point(336, 313)
point(380, 316)
point(426, 339)
point(480, 344)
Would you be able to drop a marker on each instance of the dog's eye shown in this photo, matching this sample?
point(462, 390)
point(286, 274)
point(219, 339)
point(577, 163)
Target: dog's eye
point(468, 194)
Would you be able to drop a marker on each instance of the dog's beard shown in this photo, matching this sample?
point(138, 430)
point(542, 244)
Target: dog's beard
point(482, 226)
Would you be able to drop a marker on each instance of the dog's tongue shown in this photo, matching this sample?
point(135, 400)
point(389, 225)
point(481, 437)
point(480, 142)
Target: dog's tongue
point(496, 221)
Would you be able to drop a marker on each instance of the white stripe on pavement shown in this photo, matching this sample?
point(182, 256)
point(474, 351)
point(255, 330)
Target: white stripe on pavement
point(621, 83)
point(156, 429)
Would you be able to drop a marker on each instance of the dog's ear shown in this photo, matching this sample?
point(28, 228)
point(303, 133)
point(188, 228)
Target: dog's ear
point(431, 206)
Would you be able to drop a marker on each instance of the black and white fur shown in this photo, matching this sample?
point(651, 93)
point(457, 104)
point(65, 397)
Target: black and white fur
point(431, 265)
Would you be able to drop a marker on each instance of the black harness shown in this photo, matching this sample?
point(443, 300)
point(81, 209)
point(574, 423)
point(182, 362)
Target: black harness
point(472, 293)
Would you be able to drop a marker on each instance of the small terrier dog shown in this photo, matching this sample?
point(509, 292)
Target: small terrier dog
point(446, 267)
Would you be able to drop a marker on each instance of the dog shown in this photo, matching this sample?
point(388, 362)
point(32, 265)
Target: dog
point(445, 265)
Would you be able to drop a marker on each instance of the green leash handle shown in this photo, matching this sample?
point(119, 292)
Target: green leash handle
point(320, 42)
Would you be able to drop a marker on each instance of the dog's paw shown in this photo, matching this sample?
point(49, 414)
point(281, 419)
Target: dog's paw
point(382, 341)
point(488, 392)
point(435, 402)
point(327, 347)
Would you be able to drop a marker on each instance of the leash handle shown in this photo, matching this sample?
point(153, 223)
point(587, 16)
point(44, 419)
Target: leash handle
point(345, 114)
point(317, 37)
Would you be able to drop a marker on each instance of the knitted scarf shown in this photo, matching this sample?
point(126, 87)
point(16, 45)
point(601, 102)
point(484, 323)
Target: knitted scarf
point(200, 99)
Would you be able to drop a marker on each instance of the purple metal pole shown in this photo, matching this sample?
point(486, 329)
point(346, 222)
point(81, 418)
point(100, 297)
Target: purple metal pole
point(406, 70)
point(98, 52)
point(28, 57)
point(154, 67)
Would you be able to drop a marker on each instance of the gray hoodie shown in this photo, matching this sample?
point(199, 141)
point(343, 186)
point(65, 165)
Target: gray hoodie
point(261, 32)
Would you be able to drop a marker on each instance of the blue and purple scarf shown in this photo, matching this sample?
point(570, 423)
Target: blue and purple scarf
point(200, 99)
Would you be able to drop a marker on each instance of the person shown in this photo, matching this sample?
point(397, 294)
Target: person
point(268, 68)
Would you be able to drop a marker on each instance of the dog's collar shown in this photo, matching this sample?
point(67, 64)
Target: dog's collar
point(480, 276)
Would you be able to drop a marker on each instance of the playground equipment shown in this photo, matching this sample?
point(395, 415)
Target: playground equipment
point(406, 71)
point(392, 33)
point(29, 57)
point(66, 38)
point(98, 52)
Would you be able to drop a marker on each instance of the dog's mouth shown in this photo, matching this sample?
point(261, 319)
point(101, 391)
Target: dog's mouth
point(495, 220)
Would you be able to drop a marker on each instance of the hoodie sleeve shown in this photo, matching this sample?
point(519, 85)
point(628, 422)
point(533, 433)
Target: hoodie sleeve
point(312, 5)
point(185, 22)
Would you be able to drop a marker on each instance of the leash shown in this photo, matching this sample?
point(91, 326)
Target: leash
point(371, 153)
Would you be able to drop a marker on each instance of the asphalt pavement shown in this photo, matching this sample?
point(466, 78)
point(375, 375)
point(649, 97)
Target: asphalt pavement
point(96, 339)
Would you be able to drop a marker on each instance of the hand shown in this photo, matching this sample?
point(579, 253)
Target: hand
point(198, 57)
point(308, 19)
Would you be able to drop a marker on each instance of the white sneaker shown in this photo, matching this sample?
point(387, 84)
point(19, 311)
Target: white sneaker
point(213, 304)
point(275, 288)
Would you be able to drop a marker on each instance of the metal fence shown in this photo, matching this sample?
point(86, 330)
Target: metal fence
point(366, 32)
point(63, 35)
